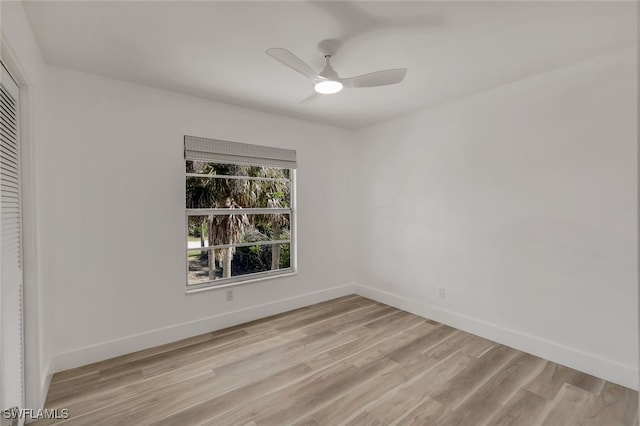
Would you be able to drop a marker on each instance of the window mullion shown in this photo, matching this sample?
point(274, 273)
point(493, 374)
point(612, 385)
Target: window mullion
point(225, 212)
point(264, 179)
point(248, 244)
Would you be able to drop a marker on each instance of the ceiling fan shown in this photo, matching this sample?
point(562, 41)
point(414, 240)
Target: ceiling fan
point(328, 81)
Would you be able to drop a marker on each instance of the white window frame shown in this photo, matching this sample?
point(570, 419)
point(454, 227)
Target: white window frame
point(226, 152)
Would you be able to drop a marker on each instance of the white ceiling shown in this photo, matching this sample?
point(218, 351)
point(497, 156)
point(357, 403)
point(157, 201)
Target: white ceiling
point(215, 49)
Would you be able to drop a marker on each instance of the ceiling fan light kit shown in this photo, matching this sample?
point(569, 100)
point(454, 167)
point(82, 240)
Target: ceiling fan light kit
point(328, 81)
point(328, 87)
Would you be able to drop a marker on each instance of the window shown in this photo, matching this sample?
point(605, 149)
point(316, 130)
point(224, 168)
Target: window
point(240, 212)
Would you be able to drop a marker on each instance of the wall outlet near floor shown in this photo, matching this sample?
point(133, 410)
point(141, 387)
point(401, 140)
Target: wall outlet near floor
point(229, 295)
point(441, 293)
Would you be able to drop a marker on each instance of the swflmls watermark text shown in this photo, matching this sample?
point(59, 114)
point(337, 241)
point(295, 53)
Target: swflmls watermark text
point(39, 414)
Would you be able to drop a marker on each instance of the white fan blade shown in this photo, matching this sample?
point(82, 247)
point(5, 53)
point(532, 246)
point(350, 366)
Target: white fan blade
point(292, 61)
point(311, 98)
point(378, 78)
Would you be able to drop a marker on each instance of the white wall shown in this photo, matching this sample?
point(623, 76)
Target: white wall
point(115, 188)
point(20, 52)
point(522, 203)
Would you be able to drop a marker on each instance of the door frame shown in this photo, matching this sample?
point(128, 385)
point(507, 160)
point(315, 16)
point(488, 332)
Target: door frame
point(37, 375)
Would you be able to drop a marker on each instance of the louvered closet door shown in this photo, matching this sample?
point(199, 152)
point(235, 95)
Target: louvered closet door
point(11, 371)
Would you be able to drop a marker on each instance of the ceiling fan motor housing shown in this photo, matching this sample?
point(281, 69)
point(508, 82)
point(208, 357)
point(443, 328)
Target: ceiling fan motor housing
point(328, 72)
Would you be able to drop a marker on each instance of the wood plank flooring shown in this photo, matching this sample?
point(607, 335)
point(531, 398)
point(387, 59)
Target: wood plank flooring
point(348, 361)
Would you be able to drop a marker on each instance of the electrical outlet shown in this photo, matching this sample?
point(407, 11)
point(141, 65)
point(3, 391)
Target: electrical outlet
point(441, 293)
point(229, 295)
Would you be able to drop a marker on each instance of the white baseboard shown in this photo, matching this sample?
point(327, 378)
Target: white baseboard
point(99, 352)
point(613, 371)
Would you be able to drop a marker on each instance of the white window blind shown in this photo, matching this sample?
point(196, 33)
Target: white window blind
point(219, 151)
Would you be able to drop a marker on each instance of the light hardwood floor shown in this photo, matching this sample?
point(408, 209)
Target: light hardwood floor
point(346, 361)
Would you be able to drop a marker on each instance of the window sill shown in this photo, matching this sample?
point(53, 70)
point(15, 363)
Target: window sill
point(239, 283)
